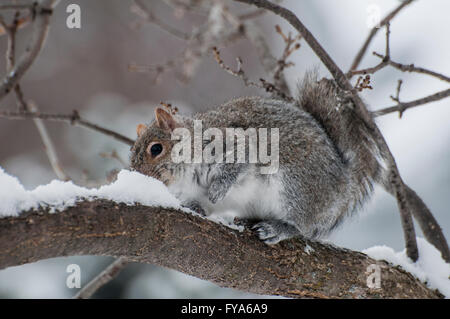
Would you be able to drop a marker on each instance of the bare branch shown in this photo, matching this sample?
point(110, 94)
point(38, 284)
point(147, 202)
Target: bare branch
point(48, 145)
point(411, 68)
point(102, 279)
point(11, 31)
point(403, 106)
point(42, 13)
point(265, 85)
point(166, 237)
point(291, 45)
point(384, 62)
point(14, 5)
point(142, 11)
point(201, 41)
point(396, 98)
point(73, 119)
point(374, 31)
point(309, 38)
point(238, 73)
point(387, 61)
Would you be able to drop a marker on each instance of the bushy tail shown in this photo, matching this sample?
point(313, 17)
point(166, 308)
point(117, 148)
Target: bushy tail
point(333, 109)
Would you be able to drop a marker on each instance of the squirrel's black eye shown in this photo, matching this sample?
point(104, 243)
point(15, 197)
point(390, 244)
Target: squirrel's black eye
point(156, 149)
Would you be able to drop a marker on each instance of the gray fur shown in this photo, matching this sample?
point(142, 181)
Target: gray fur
point(327, 162)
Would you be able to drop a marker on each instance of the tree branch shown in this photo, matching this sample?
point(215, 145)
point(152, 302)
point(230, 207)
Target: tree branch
point(374, 31)
point(141, 10)
point(201, 248)
point(239, 73)
point(42, 12)
point(386, 60)
point(16, 6)
point(73, 119)
point(102, 279)
point(403, 106)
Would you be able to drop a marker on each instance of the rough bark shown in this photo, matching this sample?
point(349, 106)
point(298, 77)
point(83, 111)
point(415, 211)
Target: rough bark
point(200, 248)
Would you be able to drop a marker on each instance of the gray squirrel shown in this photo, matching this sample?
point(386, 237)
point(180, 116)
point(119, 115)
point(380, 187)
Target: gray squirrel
point(328, 162)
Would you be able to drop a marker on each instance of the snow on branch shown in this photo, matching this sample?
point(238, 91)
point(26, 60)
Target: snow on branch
point(129, 188)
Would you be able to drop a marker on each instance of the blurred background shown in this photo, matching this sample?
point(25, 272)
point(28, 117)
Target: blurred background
point(88, 70)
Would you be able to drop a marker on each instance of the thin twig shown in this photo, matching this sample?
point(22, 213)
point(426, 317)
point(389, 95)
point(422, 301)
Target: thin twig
point(20, 22)
point(199, 39)
point(396, 98)
point(388, 41)
point(11, 31)
point(265, 85)
point(374, 31)
point(239, 71)
point(142, 11)
point(102, 279)
point(17, 6)
point(291, 45)
point(42, 12)
point(403, 106)
point(199, 43)
point(384, 62)
point(387, 61)
point(411, 68)
point(73, 119)
point(268, 61)
point(48, 145)
point(270, 64)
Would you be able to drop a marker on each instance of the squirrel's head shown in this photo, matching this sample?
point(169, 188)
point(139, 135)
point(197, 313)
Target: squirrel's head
point(151, 153)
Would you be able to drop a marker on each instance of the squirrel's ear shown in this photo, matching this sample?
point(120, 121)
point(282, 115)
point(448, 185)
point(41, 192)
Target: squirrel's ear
point(140, 129)
point(165, 120)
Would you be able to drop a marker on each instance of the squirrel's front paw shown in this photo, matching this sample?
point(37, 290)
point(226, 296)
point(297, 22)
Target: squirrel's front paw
point(216, 192)
point(274, 231)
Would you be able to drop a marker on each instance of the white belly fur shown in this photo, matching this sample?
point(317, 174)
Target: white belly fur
point(250, 198)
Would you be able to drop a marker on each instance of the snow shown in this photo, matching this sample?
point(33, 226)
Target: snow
point(129, 188)
point(308, 249)
point(227, 219)
point(430, 268)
